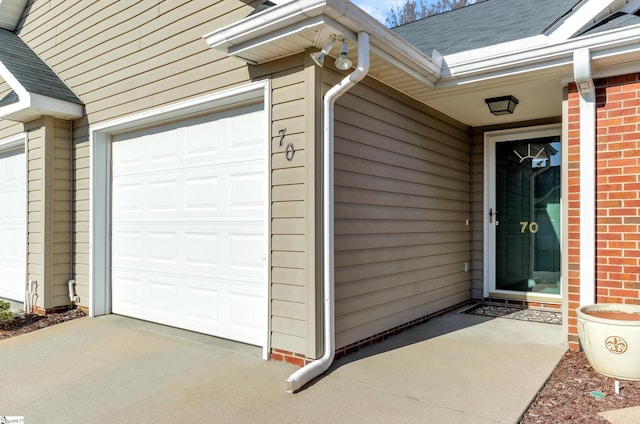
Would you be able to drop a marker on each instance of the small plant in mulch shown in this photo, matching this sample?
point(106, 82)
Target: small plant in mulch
point(7, 316)
point(13, 319)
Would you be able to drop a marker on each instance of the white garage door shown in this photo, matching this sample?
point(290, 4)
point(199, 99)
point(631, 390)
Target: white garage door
point(188, 225)
point(12, 224)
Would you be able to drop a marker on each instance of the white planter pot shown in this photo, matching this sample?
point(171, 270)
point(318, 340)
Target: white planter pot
point(611, 344)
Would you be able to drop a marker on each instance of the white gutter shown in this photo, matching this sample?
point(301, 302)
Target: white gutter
point(462, 70)
point(586, 88)
point(302, 376)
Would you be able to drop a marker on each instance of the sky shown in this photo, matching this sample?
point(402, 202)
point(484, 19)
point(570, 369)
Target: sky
point(379, 9)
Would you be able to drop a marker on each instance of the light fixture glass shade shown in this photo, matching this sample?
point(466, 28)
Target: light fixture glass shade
point(343, 62)
point(318, 57)
point(504, 105)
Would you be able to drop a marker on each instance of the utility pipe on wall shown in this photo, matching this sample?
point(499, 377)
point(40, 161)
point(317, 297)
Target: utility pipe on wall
point(586, 88)
point(307, 373)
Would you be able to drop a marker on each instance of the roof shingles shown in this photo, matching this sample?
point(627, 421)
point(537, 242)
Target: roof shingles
point(483, 24)
point(30, 71)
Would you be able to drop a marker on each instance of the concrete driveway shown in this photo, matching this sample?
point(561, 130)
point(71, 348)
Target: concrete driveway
point(457, 368)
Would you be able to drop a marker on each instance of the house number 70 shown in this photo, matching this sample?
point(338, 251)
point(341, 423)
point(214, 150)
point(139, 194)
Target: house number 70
point(533, 227)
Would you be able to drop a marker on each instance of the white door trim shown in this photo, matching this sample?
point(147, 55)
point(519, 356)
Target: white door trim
point(100, 182)
point(490, 139)
point(8, 144)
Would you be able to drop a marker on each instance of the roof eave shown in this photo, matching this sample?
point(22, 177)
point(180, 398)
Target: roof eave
point(33, 106)
point(617, 42)
point(11, 12)
point(292, 27)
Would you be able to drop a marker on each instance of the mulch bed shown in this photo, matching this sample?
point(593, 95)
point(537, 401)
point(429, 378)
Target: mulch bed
point(572, 394)
point(32, 322)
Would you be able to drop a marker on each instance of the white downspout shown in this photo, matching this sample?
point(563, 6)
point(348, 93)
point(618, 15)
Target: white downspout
point(307, 373)
point(586, 88)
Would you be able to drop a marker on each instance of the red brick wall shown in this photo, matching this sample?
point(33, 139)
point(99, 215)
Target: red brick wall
point(617, 195)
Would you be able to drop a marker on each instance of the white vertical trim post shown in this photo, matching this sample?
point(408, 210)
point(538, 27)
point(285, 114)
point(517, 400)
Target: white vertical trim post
point(586, 88)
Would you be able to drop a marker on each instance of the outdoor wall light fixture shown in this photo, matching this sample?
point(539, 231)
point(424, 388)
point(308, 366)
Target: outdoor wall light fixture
point(504, 105)
point(343, 62)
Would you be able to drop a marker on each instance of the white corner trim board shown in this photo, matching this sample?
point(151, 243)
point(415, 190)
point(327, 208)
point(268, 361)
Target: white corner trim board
point(583, 78)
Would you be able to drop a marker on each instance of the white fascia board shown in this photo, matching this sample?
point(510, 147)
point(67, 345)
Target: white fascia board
point(588, 13)
point(622, 40)
point(264, 23)
point(298, 15)
point(13, 82)
point(55, 107)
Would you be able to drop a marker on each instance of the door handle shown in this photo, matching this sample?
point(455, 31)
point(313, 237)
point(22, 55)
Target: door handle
point(491, 214)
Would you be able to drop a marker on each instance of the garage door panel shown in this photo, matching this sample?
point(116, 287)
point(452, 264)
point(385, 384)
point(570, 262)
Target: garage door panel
point(202, 249)
point(240, 302)
point(188, 225)
point(13, 237)
point(201, 193)
point(162, 248)
point(200, 301)
point(221, 192)
point(246, 253)
point(164, 196)
point(162, 296)
point(246, 193)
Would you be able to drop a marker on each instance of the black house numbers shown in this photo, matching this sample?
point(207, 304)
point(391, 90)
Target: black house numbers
point(290, 150)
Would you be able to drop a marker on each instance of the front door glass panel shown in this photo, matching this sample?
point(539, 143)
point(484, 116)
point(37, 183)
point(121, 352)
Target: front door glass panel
point(527, 215)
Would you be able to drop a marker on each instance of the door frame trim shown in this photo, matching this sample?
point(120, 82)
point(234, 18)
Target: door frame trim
point(490, 139)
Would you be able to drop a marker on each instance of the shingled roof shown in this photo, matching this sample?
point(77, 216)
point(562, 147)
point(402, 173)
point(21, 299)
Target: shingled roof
point(617, 20)
point(30, 71)
point(484, 24)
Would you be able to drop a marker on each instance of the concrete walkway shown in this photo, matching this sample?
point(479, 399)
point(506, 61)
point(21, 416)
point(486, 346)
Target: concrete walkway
point(457, 368)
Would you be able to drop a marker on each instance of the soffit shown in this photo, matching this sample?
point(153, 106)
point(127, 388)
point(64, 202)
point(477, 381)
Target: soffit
point(533, 69)
point(392, 60)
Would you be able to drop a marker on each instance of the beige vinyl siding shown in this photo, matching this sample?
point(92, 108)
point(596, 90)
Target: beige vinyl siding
point(10, 129)
point(35, 205)
point(4, 88)
point(60, 211)
point(121, 58)
point(293, 289)
point(478, 213)
point(49, 209)
point(402, 195)
point(81, 171)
